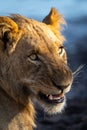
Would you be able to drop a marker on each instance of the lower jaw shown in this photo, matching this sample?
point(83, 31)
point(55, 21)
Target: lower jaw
point(53, 108)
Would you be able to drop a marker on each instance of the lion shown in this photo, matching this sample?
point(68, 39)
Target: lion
point(33, 65)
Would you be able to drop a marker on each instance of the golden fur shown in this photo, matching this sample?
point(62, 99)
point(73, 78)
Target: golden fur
point(33, 64)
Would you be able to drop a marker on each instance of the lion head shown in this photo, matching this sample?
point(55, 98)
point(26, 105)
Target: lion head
point(33, 61)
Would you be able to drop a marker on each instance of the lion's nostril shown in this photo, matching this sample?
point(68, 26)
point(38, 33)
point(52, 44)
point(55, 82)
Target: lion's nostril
point(65, 86)
point(60, 86)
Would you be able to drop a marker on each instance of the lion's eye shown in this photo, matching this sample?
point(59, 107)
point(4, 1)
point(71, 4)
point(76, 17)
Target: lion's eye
point(33, 56)
point(61, 51)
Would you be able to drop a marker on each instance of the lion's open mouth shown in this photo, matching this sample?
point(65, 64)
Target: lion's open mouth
point(54, 99)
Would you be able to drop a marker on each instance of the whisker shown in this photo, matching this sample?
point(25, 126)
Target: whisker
point(78, 70)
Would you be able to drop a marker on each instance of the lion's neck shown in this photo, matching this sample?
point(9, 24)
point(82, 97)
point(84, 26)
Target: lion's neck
point(24, 115)
point(15, 94)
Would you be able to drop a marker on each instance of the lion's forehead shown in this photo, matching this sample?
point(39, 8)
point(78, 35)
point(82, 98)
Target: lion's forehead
point(43, 30)
point(49, 33)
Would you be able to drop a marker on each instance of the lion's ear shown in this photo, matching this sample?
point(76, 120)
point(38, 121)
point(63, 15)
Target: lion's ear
point(8, 33)
point(54, 19)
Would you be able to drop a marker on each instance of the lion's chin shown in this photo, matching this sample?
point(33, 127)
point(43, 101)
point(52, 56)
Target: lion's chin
point(53, 107)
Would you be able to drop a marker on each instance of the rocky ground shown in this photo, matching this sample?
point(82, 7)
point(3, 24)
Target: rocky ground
point(75, 115)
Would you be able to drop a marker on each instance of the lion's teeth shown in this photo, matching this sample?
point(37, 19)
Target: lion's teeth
point(53, 97)
point(57, 98)
point(50, 97)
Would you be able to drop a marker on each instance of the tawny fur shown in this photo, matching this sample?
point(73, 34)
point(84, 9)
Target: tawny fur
point(30, 62)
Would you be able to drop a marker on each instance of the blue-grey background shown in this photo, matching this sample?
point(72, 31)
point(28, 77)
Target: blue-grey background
point(75, 13)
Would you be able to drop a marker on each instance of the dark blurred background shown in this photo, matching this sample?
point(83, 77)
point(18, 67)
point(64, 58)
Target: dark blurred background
point(75, 13)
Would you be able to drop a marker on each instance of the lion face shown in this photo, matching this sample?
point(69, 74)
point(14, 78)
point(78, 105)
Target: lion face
point(37, 63)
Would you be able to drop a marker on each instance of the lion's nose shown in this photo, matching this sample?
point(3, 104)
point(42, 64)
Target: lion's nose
point(62, 76)
point(61, 86)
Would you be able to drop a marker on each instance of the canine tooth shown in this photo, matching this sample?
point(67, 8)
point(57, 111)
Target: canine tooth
point(50, 97)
